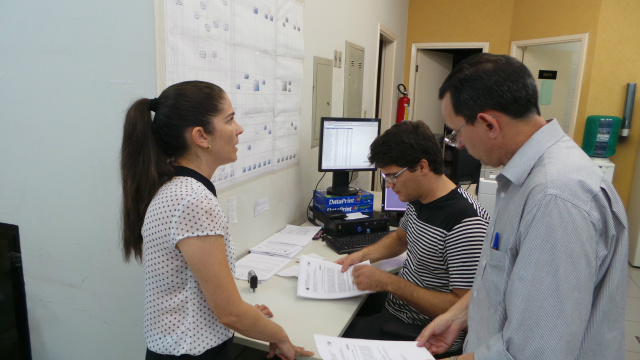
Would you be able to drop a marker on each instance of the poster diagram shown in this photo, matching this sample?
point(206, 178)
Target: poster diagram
point(253, 49)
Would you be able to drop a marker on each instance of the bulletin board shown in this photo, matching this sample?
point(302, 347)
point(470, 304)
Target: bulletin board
point(253, 49)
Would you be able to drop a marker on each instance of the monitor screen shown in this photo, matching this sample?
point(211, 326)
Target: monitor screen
point(344, 143)
point(391, 202)
point(344, 146)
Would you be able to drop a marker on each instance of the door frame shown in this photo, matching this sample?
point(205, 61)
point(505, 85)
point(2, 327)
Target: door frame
point(387, 79)
point(385, 100)
point(415, 47)
point(517, 51)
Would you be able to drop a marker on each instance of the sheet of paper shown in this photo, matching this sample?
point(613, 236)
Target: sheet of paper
point(322, 279)
point(276, 248)
point(297, 235)
point(356, 215)
point(287, 242)
point(292, 271)
point(232, 205)
point(260, 206)
point(313, 255)
point(264, 266)
point(336, 348)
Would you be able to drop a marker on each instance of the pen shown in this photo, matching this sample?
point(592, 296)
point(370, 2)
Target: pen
point(496, 241)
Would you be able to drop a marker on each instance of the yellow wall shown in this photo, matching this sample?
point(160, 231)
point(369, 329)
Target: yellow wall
point(613, 51)
point(459, 21)
point(616, 62)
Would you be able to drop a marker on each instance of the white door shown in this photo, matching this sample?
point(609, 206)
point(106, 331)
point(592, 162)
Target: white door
point(555, 96)
point(432, 68)
point(565, 54)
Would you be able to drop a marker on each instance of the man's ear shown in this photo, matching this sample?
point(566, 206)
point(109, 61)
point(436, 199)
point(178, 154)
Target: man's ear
point(490, 123)
point(200, 137)
point(423, 165)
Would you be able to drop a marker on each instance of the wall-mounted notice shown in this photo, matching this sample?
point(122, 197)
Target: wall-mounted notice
point(253, 49)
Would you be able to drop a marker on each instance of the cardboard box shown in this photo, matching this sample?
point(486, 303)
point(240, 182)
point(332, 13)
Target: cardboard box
point(361, 202)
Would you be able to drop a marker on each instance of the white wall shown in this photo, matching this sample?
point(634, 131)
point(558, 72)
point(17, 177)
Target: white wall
point(68, 71)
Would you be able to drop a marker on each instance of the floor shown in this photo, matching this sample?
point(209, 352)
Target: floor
point(632, 318)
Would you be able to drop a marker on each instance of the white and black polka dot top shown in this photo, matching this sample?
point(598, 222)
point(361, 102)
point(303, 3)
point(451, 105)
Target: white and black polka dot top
point(177, 318)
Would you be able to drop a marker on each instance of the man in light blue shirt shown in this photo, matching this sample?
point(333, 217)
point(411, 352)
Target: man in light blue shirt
point(552, 277)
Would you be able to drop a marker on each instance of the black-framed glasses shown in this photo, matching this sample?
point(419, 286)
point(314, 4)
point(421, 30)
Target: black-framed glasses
point(451, 138)
point(392, 179)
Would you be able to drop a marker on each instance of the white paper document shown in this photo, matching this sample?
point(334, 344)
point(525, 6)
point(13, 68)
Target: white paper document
point(292, 271)
point(322, 279)
point(264, 266)
point(296, 235)
point(336, 348)
point(356, 215)
point(276, 248)
point(287, 242)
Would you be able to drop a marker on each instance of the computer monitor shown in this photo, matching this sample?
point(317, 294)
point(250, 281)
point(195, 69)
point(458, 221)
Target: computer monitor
point(344, 147)
point(14, 341)
point(393, 206)
point(391, 202)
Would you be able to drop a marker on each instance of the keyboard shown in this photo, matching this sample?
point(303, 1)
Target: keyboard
point(353, 243)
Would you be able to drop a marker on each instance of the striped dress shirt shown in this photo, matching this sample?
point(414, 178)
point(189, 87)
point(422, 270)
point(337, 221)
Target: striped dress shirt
point(555, 287)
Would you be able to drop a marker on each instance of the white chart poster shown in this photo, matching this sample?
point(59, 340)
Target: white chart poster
point(253, 49)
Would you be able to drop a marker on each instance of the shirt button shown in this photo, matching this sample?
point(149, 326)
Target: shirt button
point(484, 263)
point(502, 194)
point(475, 293)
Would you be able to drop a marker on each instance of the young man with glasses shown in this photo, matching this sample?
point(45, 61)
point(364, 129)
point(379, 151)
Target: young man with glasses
point(442, 232)
point(552, 278)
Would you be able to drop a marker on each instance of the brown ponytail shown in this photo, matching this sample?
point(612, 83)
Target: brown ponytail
point(149, 145)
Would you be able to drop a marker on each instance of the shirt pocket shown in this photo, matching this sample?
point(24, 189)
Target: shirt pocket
point(495, 275)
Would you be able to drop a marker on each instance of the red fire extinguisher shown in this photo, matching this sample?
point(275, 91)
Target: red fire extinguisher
point(403, 104)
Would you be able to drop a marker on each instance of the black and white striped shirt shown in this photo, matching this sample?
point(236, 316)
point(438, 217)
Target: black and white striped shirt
point(444, 244)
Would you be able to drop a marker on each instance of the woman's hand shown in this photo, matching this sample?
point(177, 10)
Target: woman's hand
point(287, 350)
point(264, 310)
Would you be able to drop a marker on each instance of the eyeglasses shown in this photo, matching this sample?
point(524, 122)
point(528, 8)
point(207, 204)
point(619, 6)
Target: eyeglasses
point(450, 139)
point(392, 179)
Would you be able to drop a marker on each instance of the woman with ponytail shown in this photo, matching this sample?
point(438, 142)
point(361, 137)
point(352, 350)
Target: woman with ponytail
point(174, 225)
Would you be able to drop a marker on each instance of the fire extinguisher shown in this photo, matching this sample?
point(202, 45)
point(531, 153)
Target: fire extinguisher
point(403, 104)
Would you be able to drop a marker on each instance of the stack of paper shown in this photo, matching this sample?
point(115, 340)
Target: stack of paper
point(272, 254)
point(286, 243)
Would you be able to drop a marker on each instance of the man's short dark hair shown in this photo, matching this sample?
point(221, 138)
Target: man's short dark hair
point(404, 145)
point(485, 81)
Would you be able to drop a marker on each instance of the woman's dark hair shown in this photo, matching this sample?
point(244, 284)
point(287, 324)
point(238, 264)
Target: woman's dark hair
point(485, 81)
point(149, 145)
point(404, 145)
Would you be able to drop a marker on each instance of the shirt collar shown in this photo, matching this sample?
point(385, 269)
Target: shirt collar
point(188, 172)
point(520, 165)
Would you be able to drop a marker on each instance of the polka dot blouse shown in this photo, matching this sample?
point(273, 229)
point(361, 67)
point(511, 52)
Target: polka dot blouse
point(177, 318)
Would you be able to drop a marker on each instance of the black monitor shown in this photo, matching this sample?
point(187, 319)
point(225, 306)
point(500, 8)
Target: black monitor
point(393, 206)
point(459, 166)
point(344, 147)
point(14, 325)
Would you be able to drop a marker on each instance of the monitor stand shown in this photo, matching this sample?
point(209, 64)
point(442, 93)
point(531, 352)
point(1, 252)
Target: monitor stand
point(340, 185)
point(394, 218)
